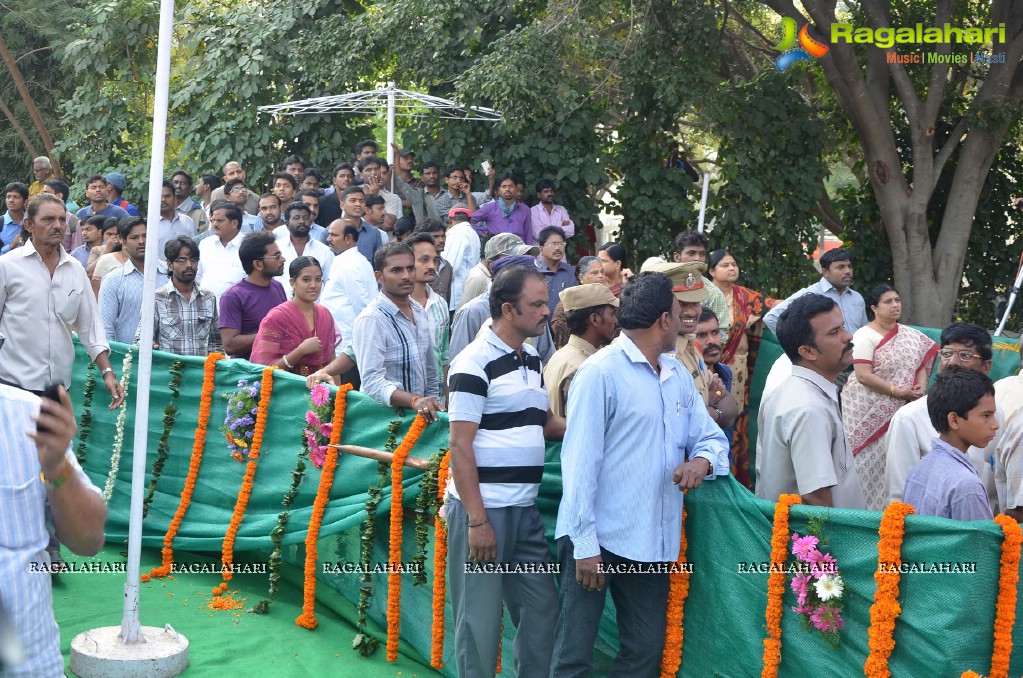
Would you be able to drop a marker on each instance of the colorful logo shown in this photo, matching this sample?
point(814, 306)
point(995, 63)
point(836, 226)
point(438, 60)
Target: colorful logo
point(808, 47)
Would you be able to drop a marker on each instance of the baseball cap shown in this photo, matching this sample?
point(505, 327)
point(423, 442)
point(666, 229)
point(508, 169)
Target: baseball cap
point(459, 210)
point(117, 180)
point(686, 279)
point(508, 244)
point(585, 296)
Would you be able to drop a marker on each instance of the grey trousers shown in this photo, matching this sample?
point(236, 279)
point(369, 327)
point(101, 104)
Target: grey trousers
point(641, 603)
point(476, 597)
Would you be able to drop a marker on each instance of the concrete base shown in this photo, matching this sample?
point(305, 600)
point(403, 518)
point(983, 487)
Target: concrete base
point(100, 653)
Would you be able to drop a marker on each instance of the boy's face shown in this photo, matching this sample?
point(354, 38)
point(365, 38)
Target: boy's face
point(979, 425)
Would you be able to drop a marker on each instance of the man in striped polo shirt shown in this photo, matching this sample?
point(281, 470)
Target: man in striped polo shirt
point(497, 551)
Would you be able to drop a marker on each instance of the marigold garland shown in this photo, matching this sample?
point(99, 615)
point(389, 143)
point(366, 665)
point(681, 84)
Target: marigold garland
point(163, 447)
point(678, 591)
point(245, 493)
point(440, 561)
point(86, 422)
point(308, 617)
point(776, 583)
point(115, 455)
point(1005, 607)
point(886, 608)
point(205, 404)
point(394, 577)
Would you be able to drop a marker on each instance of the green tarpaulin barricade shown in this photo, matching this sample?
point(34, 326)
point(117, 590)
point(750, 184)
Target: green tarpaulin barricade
point(945, 627)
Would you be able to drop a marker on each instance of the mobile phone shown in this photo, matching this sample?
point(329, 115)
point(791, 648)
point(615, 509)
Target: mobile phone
point(486, 166)
point(51, 392)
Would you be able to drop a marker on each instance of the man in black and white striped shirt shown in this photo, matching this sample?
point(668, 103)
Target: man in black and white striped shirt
point(499, 417)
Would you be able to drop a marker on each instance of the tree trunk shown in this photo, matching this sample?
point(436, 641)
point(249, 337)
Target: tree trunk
point(29, 146)
point(30, 104)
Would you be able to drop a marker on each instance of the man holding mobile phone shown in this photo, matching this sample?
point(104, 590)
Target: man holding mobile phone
point(40, 469)
point(458, 191)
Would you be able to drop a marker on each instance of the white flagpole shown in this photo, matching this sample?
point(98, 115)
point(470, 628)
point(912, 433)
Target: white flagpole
point(390, 131)
point(703, 202)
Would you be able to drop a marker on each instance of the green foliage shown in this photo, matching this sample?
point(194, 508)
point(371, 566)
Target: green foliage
point(771, 167)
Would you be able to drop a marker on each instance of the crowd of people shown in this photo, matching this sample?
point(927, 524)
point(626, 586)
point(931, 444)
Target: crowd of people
point(449, 299)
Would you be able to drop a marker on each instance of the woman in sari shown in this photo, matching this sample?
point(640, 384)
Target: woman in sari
point(740, 348)
point(298, 335)
point(891, 366)
point(616, 266)
point(588, 270)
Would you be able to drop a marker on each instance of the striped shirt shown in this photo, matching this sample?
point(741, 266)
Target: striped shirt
point(490, 385)
point(120, 301)
point(25, 594)
point(394, 353)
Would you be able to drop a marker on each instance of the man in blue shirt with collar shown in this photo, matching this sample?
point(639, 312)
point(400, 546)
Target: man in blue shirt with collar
point(625, 462)
point(15, 196)
point(837, 274)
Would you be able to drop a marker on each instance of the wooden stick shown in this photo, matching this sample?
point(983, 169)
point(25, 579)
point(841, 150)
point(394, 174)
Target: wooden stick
point(380, 455)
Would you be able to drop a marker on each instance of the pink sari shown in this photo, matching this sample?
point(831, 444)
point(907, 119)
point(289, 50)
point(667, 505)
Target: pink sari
point(866, 414)
point(284, 328)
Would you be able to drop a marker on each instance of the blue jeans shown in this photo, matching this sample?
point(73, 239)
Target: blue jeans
point(641, 601)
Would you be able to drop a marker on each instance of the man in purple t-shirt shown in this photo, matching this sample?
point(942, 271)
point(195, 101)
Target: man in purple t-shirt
point(247, 302)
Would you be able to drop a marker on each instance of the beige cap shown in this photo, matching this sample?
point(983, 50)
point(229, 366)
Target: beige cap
point(585, 296)
point(686, 279)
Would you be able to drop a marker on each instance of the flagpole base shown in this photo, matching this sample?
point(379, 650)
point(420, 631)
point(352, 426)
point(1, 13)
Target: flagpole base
point(100, 653)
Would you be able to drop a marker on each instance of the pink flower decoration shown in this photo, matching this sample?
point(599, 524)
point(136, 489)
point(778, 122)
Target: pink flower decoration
point(326, 429)
point(803, 608)
point(826, 620)
point(318, 455)
point(800, 586)
point(822, 564)
point(320, 395)
point(311, 418)
point(804, 547)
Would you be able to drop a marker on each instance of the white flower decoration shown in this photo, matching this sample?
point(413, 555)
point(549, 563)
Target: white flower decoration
point(829, 586)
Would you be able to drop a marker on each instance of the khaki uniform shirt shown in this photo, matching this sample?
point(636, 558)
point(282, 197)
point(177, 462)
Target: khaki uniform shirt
point(557, 376)
point(687, 354)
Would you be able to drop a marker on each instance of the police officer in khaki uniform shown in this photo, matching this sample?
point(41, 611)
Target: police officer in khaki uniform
point(690, 289)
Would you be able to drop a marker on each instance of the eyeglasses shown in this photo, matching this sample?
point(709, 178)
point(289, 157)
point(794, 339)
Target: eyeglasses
point(964, 356)
point(554, 245)
point(185, 260)
point(238, 189)
point(277, 256)
point(720, 333)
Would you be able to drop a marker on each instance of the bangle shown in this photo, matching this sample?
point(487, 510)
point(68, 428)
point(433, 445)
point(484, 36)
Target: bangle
point(485, 521)
point(891, 391)
point(105, 370)
point(416, 398)
point(714, 407)
point(286, 363)
point(58, 482)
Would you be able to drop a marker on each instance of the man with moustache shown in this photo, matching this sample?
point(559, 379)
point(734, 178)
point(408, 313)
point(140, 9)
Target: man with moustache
point(638, 436)
point(353, 204)
point(296, 240)
point(707, 339)
point(392, 338)
point(691, 287)
point(427, 262)
point(219, 265)
point(801, 443)
point(270, 212)
point(910, 431)
point(351, 285)
point(591, 312)
point(233, 170)
point(235, 191)
point(247, 302)
point(692, 246)
point(185, 319)
point(173, 224)
point(499, 418)
point(836, 278)
point(120, 293)
point(182, 182)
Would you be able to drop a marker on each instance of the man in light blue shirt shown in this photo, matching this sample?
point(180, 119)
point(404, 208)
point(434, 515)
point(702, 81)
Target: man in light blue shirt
point(837, 272)
point(120, 293)
point(625, 461)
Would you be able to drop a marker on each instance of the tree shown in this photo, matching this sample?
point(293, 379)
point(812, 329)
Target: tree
point(966, 110)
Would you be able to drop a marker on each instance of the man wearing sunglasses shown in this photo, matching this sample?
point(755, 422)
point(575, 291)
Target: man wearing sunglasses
point(185, 319)
point(248, 301)
point(910, 432)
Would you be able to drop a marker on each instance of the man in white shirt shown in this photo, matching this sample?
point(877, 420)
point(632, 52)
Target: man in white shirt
point(173, 224)
point(297, 241)
point(910, 431)
point(351, 285)
point(461, 249)
point(219, 264)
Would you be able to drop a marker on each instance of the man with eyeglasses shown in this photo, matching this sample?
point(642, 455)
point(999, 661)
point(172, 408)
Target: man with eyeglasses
point(551, 262)
point(235, 192)
point(233, 170)
point(185, 319)
point(249, 300)
point(708, 339)
point(910, 432)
